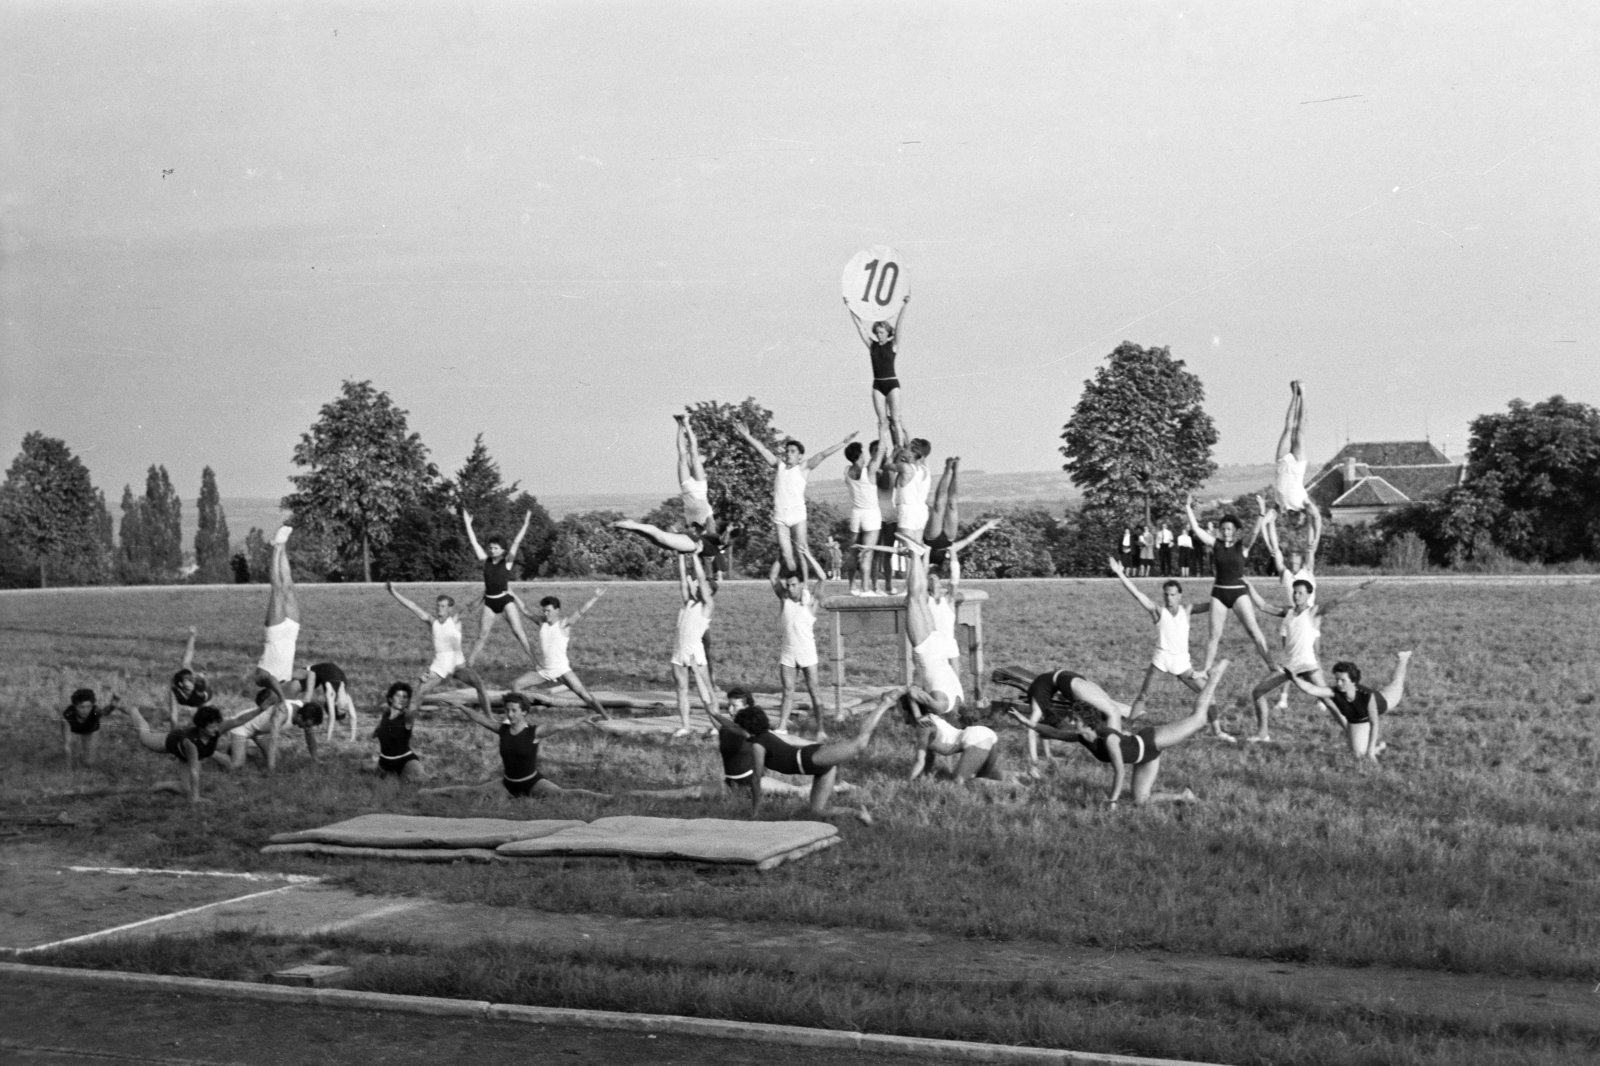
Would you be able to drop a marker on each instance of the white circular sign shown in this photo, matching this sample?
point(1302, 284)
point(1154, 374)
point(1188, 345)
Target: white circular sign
point(875, 284)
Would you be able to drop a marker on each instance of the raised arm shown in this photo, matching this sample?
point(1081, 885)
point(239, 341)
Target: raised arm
point(522, 531)
point(875, 461)
point(1262, 605)
point(761, 449)
point(472, 538)
point(1194, 524)
point(188, 651)
point(702, 587)
point(572, 620)
point(407, 604)
point(1327, 608)
point(856, 319)
point(816, 460)
point(1144, 601)
point(1049, 732)
point(965, 542)
point(905, 301)
point(775, 577)
point(683, 579)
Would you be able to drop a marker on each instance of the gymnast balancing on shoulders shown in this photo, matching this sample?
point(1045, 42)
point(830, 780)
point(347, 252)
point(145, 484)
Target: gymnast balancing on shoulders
point(882, 347)
point(190, 746)
point(1289, 466)
point(1291, 566)
point(1172, 635)
point(1142, 749)
point(704, 536)
point(499, 563)
point(789, 475)
point(519, 753)
point(1357, 708)
point(448, 661)
point(396, 723)
point(1228, 587)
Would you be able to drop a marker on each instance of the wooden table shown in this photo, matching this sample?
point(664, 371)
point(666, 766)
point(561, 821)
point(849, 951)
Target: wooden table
point(887, 614)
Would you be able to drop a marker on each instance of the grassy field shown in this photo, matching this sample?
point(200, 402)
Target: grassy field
point(1475, 847)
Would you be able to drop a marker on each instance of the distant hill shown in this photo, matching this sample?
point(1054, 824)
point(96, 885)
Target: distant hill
point(980, 491)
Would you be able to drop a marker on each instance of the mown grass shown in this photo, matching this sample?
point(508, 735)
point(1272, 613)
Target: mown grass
point(1255, 1024)
point(1474, 848)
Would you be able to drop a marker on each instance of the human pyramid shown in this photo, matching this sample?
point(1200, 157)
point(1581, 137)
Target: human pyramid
point(891, 521)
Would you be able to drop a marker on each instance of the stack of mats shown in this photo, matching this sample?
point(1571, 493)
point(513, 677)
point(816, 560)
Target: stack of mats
point(416, 838)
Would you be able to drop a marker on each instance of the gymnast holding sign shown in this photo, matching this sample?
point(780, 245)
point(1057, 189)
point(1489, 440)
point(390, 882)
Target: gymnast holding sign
point(883, 293)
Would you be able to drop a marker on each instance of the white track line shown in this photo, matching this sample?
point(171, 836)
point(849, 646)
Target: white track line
point(150, 921)
point(293, 879)
point(379, 912)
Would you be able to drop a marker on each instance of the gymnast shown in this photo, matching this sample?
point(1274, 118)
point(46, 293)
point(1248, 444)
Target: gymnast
point(190, 746)
point(866, 517)
point(941, 691)
point(1172, 635)
point(1228, 588)
point(705, 536)
point(499, 562)
point(1289, 467)
point(80, 726)
point(911, 488)
point(797, 623)
point(689, 659)
point(1357, 708)
point(519, 752)
point(324, 685)
point(555, 634)
point(1298, 566)
point(448, 661)
point(789, 475)
point(1055, 696)
point(1299, 632)
point(189, 689)
point(977, 747)
point(1141, 750)
point(266, 728)
point(882, 347)
point(276, 665)
point(393, 734)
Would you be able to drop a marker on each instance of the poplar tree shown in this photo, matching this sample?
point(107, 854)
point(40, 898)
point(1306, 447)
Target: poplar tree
point(211, 537)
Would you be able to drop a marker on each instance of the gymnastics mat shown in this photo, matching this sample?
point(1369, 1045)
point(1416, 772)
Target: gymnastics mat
point(421, 831)
point(717, 840)
point(401, 854)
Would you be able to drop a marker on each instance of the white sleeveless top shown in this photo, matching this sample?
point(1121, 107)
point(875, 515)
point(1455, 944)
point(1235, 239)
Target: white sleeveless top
point(553, 640)
point(912, 497)
point(446, 638)
point(799, 621)
point(1172, 632)
point(789, 493)
point(863, 491)
point(1300, 633)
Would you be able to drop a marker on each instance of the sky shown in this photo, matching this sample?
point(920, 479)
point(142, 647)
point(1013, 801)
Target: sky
point(555, 224)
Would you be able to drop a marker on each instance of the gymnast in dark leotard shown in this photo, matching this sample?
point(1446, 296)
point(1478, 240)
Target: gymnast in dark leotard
point(1055, 696)
point(499, 564)
point(191, 746)
point(393, 734)
point(1141, 749)
point(882, 346)
point(519, 753)
point(1357, 708)
point(80, 726)
point(1228, 587)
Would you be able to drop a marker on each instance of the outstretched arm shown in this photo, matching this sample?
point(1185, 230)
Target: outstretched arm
point(1049, 732)
point(1144, 601)
point(407, 604)
point(966, 541)
point(816, 460)
point(1262, 605)
point(511, 552)
point(855, 318)
point(905, 301)
point(1307, 687)
point(761, 449)
point(817, 571)
point(1194, 524)
point(545, 729)
point(472, 538)
point(480, 715)
point(581, 611)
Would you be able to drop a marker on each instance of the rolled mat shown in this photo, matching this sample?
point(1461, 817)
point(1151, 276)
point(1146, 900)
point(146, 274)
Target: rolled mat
point(403, 854)
point(419, 831)
point(718, 840)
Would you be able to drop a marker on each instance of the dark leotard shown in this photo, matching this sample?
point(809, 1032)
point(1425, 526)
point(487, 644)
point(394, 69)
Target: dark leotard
point(1137, 748)
point(1053, 693)
point(1228, 585)
point(784, 758)
point(394, 743)
point(939, 549)
point(496, 578)
point(883, 378)
point(1360, 709)
point(738, 757)
point(519, 758)
point(205, 746)
point(89, 723)
point(326, 674)
point(198, 696)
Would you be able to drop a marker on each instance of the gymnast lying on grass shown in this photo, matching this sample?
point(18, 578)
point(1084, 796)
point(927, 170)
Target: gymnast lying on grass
point(1140, 750)
point(749, 749)
point(519, 753)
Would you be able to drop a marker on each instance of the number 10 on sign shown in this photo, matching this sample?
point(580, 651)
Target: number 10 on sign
point(875, 284)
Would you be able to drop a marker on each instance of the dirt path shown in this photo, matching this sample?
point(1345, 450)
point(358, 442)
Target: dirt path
point(68, 902)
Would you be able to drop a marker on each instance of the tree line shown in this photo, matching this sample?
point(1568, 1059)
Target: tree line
point(369, 504)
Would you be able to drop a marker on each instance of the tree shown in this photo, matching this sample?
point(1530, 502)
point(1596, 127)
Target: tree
point(1533, 481)
point(257, 556)
point(1018, 547)
point(211, 538)
point(52, 517)
point(150, 548)
point(133, 542)
point(364, 468)
point(1138, 440)
point(586, 545)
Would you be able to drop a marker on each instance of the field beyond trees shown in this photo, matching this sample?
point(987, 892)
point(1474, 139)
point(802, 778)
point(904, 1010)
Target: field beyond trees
point(1474, 848)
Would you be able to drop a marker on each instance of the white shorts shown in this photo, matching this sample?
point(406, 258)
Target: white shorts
point(693, 655)
point(1172, 662)
point(977, 738)
point(555, 671)
point(913, 518)
point(696, 502)
point(277, 658)
point(261, 724)
point(445, 665)
point(865, 521)
point(789, 516)
point(1289, 480)
point(801, 658)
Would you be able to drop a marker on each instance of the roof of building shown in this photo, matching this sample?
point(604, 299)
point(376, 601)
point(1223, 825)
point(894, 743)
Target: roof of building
point(1390, 453)
point(1372, 492)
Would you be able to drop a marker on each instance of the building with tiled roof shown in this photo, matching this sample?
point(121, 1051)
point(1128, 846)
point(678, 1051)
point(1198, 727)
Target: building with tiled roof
point(1366, 479)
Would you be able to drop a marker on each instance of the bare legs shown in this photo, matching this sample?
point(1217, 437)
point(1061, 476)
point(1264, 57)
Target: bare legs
point(888, 410)
point(661, 538)
point(808, 674)
point(464, 674)
point(702, 682)
point(945, 516)
point(832, 755)
point(1247, 617)
point(486, 626)
point(1171, 734)
point(919, 614)
point(791, 542)
point(283, 605)
point(1150, 674)
point(149, 739)
point(1289, 442)
point(1263, 689)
